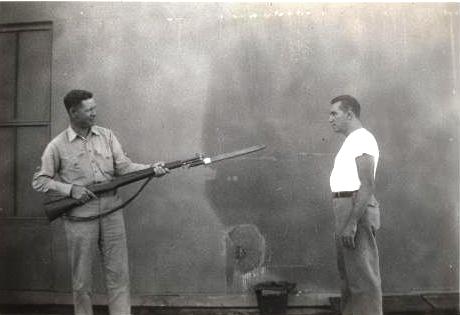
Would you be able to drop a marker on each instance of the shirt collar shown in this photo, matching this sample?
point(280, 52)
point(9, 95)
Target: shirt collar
point(72, 135)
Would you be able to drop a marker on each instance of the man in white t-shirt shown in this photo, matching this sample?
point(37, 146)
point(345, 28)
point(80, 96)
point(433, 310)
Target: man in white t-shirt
point(356, 210)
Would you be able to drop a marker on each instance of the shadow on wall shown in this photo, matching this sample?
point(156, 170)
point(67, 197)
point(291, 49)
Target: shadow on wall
point(255, 98)
point(270, 84)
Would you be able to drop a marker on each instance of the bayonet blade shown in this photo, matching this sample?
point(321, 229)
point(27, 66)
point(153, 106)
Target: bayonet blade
point(234, 154)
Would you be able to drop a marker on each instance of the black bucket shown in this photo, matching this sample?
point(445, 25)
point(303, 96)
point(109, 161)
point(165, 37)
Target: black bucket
point(272, 297)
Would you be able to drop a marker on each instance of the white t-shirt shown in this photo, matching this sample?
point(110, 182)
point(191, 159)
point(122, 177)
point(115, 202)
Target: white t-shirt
point(344, 176)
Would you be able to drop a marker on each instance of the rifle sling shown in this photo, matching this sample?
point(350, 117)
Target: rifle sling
point(98, 216)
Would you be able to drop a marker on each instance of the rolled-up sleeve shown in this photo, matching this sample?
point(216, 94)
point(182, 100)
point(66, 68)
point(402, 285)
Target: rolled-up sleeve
point(122, 163)
point(44, 179)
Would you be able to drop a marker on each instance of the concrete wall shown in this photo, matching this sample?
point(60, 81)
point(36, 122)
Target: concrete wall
point(173, 79)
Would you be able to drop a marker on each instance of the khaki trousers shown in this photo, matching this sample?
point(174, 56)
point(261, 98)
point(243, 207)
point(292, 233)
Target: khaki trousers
point(105, 237)
point(359, 267)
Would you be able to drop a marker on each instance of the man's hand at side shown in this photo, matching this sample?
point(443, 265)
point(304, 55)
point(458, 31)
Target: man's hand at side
point(348, 235)
point(81, 193)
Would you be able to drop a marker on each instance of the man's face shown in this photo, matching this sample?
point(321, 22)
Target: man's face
point(84, 115)
point(338, 118)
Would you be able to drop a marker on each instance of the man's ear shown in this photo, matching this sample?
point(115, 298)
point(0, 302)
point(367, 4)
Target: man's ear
point(72, 111)
point(350, 114)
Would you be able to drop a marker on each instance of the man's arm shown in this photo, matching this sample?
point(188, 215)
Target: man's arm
point(124, 165)
point(43, 180)
point(365, 165)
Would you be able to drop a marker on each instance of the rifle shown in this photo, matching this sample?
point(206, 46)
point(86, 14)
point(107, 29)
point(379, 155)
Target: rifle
point(54, 208)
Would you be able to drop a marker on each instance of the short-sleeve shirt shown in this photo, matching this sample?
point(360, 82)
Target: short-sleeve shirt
point(344, 176)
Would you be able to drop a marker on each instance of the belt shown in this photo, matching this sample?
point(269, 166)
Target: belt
point(343, 194)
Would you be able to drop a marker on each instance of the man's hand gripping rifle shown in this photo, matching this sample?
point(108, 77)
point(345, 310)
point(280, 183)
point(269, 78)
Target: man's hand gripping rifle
point(56, 207)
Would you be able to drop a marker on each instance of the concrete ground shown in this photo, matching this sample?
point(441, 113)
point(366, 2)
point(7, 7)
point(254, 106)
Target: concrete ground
point(409, 304)
point(68, 310)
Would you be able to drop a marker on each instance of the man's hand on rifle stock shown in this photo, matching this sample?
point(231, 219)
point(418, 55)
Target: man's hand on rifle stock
point(81, 193)
point(159, 169)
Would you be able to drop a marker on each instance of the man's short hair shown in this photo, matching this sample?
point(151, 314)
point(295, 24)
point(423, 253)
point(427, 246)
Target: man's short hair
point(347, 103)
point(75, 97)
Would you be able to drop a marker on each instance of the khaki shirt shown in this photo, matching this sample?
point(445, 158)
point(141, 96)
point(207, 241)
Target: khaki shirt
point(71, 159)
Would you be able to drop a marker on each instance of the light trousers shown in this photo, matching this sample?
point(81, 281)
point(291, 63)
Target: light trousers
point(359, 267)
point(106, 238)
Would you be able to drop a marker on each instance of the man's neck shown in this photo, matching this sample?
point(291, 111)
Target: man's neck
point(354, 125)
point(82, 132)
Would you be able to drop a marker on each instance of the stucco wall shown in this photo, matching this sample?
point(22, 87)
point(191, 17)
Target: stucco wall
point(172, 80)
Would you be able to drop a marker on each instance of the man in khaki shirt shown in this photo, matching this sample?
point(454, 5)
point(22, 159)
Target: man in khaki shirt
point(84, 154)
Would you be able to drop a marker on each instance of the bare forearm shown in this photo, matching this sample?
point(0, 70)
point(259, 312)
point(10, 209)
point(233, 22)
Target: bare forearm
point(365, 165)
point(359, 207)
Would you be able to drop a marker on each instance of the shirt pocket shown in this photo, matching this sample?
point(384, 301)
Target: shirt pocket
point(104, 158)
point(71, 167)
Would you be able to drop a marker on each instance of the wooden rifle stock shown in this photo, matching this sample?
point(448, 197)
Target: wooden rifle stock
point(56, 207)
